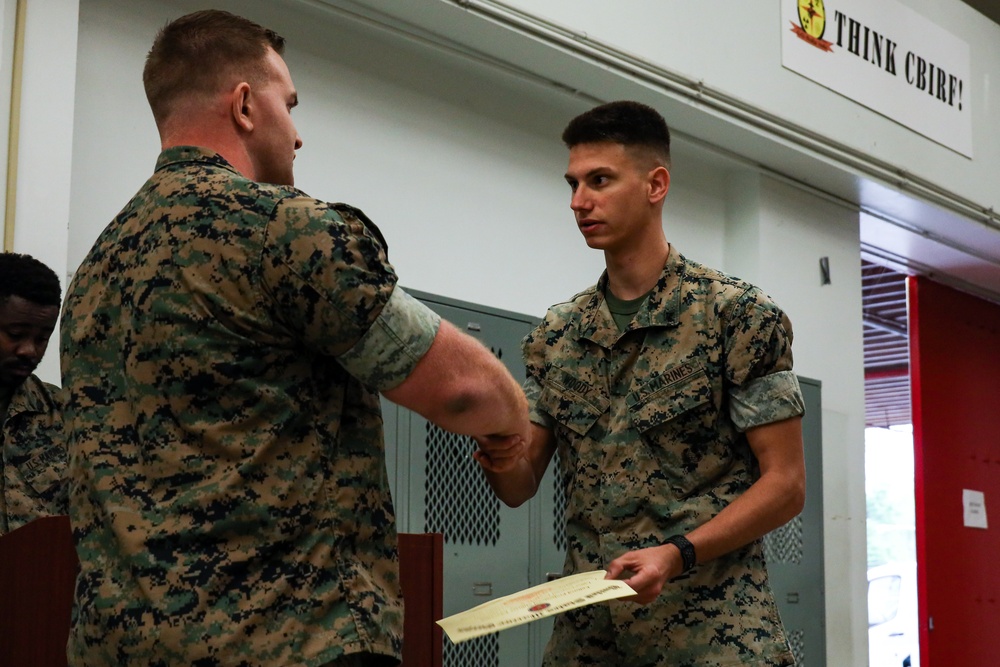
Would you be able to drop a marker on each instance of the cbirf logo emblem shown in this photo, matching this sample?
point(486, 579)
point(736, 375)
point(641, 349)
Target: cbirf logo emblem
point(812, 24)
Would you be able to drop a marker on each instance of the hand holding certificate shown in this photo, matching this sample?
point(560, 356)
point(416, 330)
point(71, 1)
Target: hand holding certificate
point(534, 603)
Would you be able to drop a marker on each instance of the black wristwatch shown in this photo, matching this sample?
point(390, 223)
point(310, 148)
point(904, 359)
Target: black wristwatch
point(687, 551)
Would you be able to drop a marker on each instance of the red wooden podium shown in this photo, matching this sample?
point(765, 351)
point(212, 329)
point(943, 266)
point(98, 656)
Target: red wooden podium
point(421, 575)
point(38, 569)
point(37, 572)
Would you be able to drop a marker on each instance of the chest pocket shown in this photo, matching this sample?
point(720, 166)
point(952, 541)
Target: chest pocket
point(573, 402)
point(678, 422)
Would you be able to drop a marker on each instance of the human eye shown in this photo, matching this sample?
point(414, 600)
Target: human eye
point(14, 334)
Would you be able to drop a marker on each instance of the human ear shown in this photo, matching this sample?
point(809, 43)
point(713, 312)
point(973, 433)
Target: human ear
point(658, 182)
point(242, 107)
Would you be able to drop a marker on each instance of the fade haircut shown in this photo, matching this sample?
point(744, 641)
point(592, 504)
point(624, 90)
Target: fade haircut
point(26, 277)
point(637, 127)
point(200, 53)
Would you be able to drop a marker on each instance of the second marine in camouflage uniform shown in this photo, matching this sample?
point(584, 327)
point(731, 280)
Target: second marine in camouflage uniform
point(227, 340)
point(650, 425)
point(32, 456)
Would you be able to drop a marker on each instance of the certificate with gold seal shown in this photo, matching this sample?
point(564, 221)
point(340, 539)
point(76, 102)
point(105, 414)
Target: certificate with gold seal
point(532, 604)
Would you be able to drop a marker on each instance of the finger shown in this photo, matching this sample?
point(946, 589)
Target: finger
point(502, 446)
point(483, 459)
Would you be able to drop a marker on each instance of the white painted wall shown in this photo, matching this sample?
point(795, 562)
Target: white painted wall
point(45, 152)
point(736, 47)
point(461, 166)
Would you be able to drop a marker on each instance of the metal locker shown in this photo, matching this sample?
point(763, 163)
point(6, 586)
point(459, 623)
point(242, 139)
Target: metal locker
point(438, 487)
point(794, 552)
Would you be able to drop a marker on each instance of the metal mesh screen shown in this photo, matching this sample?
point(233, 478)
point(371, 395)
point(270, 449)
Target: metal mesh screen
point(796, 639)
point(480, 652)
point(558, 504)
point(459, 501)
point(785, 544)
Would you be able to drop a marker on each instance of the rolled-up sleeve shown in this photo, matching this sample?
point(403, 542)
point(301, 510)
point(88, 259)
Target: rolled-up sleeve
point(386, 354)
point(767, 399)
point(763, 389)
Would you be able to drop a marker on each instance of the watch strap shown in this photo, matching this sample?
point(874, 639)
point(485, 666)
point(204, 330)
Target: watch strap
point(683, 544)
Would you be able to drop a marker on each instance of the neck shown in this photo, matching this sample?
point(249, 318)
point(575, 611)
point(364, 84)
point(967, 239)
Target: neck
point(234, 154)
point(632, 274)
point(212, 131)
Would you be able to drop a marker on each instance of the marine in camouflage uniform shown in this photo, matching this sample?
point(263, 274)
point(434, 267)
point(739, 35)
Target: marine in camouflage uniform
point(32, 444)
point(667, 391)
point(650, 426)
point(225, 343)
point(32, 456)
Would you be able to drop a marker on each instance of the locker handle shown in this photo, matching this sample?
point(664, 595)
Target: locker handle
point(483, 588)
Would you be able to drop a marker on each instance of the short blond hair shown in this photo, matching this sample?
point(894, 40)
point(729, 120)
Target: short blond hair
point(199, 53)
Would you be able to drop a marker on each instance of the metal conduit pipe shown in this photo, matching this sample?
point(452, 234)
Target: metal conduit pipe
point(14, 126)
point(727, 106)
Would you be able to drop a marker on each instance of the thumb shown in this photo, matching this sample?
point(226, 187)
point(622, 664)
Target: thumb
point(614, 569)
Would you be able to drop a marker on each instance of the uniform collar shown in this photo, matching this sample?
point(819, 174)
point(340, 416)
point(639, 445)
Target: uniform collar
point(187, 154)
point(661, 309)
point(28, 397)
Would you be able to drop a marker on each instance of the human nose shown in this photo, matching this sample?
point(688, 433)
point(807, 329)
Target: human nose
point(298, 141)
point(580, 201)
point(30, 349)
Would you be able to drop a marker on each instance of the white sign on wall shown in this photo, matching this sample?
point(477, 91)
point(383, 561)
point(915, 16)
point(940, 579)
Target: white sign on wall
point(885, 56)
point(973, 509)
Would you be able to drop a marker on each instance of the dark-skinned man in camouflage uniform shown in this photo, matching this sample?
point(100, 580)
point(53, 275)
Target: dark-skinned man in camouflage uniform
point(667, 390)
point(224, 345)
point(32, 446)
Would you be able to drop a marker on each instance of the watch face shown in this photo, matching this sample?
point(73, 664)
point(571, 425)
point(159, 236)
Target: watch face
point(812, 17)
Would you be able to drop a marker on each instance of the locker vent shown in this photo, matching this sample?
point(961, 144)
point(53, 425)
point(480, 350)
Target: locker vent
point(460, 503)
point(785, 544)
point(558, 504)
point(796, 639)
point(480, 652)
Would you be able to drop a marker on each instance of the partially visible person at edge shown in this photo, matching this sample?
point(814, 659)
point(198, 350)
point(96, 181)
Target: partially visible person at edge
point(224, 345)
point(667, 391)
point(32, 447)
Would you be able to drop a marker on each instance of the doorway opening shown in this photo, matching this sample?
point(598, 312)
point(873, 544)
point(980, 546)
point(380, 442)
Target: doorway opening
point(889, 477)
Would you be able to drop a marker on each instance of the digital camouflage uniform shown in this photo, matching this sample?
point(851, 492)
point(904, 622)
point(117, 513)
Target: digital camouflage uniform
point(32, 456)
point(223, 344)
point(649, 425)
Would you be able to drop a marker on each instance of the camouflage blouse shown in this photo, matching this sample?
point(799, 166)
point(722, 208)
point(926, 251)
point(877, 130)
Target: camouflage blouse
point(223, 345)
point(32, 456)
point(649, 424)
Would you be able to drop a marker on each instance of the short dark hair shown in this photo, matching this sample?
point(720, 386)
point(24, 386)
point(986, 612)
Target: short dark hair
point(631, 124)
point(26, 277)
point(198, 52)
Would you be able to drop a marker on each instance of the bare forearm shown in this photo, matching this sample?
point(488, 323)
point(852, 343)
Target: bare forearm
point(515, 486)
point(485, 399)
point(460, 386)
point(773, 500)
point(769, 504)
